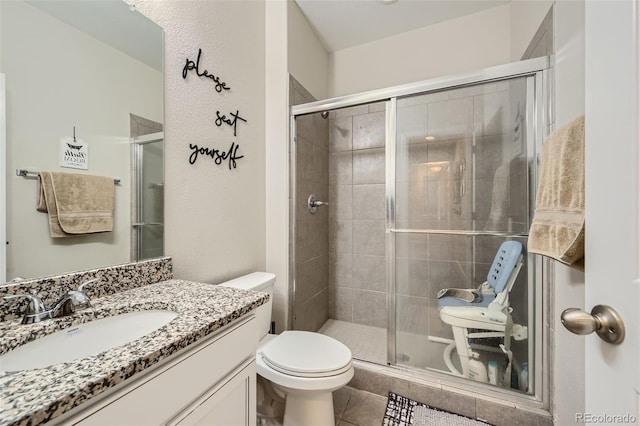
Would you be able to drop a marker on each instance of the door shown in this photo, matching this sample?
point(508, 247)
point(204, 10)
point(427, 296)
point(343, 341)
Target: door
point(611, 151)
point(234, 404)
point(463, 158)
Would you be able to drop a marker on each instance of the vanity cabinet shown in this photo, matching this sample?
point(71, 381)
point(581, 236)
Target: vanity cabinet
point(211, 383)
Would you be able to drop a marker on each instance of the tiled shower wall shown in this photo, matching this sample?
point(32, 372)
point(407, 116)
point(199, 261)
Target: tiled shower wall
point(311, 298)
point(357, 215)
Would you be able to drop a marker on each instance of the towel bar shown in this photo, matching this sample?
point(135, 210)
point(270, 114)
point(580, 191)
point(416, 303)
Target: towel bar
point(25, 173)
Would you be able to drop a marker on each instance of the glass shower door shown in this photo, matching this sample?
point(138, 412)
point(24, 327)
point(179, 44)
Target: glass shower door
point(149, 193)
point(462, 188)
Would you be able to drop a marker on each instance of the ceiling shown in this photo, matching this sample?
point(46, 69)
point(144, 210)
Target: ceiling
point(341, 24)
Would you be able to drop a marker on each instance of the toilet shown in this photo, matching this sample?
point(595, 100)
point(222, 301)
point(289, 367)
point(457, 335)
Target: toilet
point(307, 367)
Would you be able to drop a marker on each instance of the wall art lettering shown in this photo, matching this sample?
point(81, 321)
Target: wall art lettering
point(190, 66)
point(222, 119)
point(218, 156)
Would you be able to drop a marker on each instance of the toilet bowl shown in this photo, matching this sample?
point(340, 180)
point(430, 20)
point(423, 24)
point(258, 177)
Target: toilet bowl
point(306, 366)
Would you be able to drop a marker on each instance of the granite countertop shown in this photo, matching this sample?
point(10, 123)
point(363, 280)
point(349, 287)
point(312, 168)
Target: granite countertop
point(36, 396)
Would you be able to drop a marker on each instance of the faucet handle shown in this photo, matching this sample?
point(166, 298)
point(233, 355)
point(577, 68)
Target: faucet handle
point(36, 311)
point(35, 307)
point(75, 300)
point(78, 299)
point(84, 284)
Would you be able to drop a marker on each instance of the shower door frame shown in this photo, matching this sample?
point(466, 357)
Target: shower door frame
point(3, 180)
point(538, 125)
point(137, 144)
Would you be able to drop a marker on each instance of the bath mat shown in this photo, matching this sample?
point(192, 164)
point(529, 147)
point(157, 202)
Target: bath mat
point(402, 411)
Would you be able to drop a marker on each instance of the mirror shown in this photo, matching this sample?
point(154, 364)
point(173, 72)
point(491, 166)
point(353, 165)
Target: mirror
point(94, 67)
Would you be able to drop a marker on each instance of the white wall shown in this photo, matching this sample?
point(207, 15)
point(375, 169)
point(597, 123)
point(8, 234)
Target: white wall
point(308, 57)
point(291, 47)
point(277, 156)
point(465, 44)
point(525, 18)
point(568, 351)
point(215, 217)
point(58, 77)
point(567, 357)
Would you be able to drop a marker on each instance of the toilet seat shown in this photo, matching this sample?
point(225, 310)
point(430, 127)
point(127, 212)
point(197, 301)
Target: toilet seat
point(306, 354)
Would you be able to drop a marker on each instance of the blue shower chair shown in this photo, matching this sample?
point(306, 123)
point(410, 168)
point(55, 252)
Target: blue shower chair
point(483, 312)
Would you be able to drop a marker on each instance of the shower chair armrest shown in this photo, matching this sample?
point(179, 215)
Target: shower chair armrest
point(470, 295)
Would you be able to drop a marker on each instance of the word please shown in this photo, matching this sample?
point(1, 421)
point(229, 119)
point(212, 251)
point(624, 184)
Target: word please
point(190, 65)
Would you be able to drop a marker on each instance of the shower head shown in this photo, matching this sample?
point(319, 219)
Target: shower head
point(324, 114)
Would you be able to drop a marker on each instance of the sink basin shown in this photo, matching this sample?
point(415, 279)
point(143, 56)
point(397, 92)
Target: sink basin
point(84, 340)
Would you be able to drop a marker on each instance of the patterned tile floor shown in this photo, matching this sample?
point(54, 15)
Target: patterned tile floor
point(355, 407)
point(352, 407)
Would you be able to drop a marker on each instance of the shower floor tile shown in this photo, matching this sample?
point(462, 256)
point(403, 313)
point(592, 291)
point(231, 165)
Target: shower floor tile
point(366, 343)
point(369, 343)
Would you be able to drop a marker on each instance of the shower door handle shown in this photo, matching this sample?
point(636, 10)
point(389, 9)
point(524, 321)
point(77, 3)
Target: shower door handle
point(603, 319)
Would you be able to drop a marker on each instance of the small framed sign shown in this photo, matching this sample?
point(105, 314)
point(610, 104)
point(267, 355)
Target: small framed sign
point(74, 153)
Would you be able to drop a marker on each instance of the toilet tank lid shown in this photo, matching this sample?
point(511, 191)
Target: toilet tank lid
point(255, 281)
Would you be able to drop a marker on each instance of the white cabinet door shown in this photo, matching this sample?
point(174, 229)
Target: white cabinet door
point(234, 404)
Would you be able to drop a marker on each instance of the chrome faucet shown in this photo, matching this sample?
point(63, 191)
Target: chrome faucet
point(73, 301)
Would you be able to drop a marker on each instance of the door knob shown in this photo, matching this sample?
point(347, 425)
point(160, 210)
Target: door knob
point(603, 319)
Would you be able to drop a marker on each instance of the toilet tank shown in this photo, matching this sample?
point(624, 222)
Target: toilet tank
point(257, 281)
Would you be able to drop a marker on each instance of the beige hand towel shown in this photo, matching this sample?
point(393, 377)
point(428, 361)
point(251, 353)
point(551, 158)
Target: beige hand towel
point(557, 229)
point(47, 204)
point(76, 203)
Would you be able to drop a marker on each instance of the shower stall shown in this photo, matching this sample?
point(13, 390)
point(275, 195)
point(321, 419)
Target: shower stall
point(402, 193)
